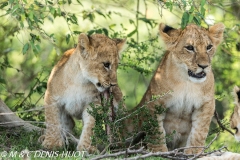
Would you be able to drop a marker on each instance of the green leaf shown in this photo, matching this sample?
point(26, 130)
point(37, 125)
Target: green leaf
point(69, 1)
point(185, 20)
point(39, 4)
point(100, 13)
point(105, 31)
point(39, 89)
point(21, 24)
point(131, 21)
point(49, 2)
point(91, 17)
point(99, 31)
point(19, 94)
point(67, 38)
point(25, 48)
point(53, 11)
point(79, 2)
point(88, 15)
point(77, 32)
point(146, 21)
point(59, 12)
point(191, 9)
point(184, 3)
point(203, 11)
point(203, 2)
point(112, 26)
point(190, 18)
point(117, 13)
point(11, 1)
point(37, 48)
point(3, 5)
point(197, 20)
point(62, 2)
point(169, 5)
point(2, 81)
point(30, 15)
point(74, 19)
point(132, 33)
point(91, 32)
point(44, 84)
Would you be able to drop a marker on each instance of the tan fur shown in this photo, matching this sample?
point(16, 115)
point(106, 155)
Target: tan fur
point(190, 105)
point(75, 81)
point(235, 118)
point(222, 156)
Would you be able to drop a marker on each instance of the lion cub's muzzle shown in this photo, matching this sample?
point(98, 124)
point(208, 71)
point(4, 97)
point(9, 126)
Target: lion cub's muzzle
point(105, 86)
point(198, 75)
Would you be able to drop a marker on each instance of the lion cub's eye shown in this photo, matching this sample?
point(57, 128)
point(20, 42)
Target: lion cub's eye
point(209, 47)
point(106, 64)
point(190, 48)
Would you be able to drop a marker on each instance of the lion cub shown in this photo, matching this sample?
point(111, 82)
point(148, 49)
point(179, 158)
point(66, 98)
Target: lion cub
point(235, 118)
point(75, 82)
point(185, 73)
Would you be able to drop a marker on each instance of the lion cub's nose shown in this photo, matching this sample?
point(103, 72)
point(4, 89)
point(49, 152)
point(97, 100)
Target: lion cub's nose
point(99, 84)
point(202, 66)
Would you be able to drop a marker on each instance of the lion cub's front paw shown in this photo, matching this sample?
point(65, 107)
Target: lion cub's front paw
point(90, 149)
point(157, 148)
point(51, 142)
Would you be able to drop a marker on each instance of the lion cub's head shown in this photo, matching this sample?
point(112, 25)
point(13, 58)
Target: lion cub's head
point(235, 118)
point(99, 59)
point(193, 48)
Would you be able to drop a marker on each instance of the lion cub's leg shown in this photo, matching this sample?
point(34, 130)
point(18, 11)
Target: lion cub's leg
point(161, 141)
point(84, 143)
point(67, 122)
point(53, 136)
point(201, 119)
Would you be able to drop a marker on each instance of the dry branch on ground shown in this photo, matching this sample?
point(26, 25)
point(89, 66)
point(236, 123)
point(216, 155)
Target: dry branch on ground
point(10, 119)
point(177, 154)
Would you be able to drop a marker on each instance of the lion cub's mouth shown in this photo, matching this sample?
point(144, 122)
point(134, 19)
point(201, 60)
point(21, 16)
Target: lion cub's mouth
point(197, 75)
point(105, 94)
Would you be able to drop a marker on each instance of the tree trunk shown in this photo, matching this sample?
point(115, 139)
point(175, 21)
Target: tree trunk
point(10, 119)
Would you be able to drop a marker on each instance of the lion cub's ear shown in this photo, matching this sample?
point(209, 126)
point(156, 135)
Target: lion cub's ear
point(168, 34)
point(120, 44)
point(216, 33)
point(84, 45)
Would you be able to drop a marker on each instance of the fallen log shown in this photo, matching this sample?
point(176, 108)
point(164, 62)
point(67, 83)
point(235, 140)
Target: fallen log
point(10, 119)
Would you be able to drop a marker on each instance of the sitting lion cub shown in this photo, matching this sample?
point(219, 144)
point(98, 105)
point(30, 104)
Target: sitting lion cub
point(74, 83)
point(235, 118)
point(185, 73)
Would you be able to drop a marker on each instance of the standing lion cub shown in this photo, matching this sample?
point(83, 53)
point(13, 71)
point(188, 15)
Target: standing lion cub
point(185, 73)
point(74, 83)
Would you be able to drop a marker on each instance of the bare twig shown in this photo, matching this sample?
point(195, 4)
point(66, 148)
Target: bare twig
point(220, 124)
point(176, 154)
point(120, 153)
point(137, 20)
point(214, 151)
